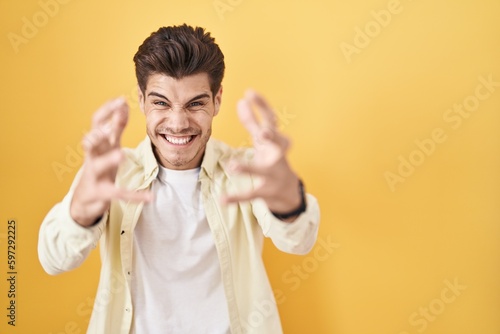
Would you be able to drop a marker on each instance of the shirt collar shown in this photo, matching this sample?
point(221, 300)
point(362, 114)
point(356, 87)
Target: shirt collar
point(210, 160)
point(148, 159)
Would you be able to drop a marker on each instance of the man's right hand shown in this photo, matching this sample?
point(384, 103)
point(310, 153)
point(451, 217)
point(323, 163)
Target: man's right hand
point(96, 187)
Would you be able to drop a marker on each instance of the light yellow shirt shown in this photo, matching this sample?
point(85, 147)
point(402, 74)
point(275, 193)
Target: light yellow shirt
point(238, 231)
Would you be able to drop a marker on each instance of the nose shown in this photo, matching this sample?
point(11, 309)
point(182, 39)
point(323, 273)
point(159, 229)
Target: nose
point(177, 119)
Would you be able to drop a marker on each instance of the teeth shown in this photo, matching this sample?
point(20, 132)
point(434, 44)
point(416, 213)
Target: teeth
point(178, 140)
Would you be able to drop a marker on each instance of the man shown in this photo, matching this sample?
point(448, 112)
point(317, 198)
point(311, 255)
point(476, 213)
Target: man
point(181, 218)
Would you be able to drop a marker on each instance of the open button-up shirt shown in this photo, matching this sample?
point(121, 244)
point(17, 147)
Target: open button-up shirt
point(238, 231)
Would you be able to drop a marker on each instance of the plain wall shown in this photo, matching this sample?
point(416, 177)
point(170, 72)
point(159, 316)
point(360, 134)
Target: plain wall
point(393, 108)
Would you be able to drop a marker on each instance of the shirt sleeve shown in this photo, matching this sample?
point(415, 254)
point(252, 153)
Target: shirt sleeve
point(63, 244)
point(297, 237)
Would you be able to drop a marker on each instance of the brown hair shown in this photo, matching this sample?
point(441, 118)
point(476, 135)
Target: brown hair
point(180, 51)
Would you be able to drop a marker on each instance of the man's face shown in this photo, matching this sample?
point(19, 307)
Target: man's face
point(179, 117)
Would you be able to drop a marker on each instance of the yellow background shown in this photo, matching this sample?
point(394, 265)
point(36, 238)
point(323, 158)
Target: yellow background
point(351, 119)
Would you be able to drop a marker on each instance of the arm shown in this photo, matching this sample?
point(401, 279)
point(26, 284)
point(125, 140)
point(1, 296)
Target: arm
point(294, 238)
point(276, 186)
point(73, 227)
point(64, 244)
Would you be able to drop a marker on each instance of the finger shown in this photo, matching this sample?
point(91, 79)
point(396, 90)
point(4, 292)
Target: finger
point(100, 119)
point(244, 197)
point(105, 163)
point(275, 137)
point(108, 191)
point(239, 168)
point(95, 143)
point(247, 117)
point(131, 195)
point(118, 123)
point(265, 110)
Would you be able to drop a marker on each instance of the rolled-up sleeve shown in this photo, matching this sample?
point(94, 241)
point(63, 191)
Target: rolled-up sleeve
point(297, 237)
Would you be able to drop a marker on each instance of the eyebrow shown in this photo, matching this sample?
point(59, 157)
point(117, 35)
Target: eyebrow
point(197, 97)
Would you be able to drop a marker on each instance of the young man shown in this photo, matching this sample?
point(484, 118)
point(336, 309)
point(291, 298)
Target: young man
point(181, 218)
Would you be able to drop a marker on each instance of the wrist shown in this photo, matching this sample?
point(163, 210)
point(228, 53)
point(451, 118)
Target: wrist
point(297, 208)
point(81, 218)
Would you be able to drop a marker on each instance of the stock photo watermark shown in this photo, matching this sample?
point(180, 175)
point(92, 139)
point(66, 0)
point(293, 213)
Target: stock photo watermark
point(221, 7)
point(72, 160)
point(74, 155)
point(363, 36)
point(293, 278)
point(11, 273)
point(32, 24)
point(421, 318)
point(453, 117)
point(297, 274)
point(283, 119)
point(262, 309)
point(95, 304)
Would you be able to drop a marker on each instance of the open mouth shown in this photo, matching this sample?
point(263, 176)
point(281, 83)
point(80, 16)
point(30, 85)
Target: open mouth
point(178, 140)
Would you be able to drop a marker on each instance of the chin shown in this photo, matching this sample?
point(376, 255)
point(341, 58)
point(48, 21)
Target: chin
point(174, 160)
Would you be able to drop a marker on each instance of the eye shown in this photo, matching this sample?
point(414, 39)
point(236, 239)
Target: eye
point(196, 105)
point(160, 103)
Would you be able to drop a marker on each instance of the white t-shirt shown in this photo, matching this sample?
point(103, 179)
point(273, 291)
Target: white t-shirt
point(176, 283)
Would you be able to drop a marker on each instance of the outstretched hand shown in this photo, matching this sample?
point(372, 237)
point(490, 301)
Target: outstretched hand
point(96, 187)
point(277, 184)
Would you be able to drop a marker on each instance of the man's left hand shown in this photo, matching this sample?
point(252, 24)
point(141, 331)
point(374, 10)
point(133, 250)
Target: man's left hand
point(277, 184)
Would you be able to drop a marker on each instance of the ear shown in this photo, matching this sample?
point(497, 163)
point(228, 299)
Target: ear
point(141, 98)
point(218, 101)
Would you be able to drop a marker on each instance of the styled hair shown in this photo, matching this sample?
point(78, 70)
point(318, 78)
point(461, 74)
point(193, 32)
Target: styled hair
point(180, 51)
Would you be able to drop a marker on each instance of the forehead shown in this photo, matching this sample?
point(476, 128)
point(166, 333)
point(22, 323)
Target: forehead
point(178, 89)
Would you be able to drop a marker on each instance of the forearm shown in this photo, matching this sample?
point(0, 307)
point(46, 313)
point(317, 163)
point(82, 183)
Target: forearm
point(296, 191)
